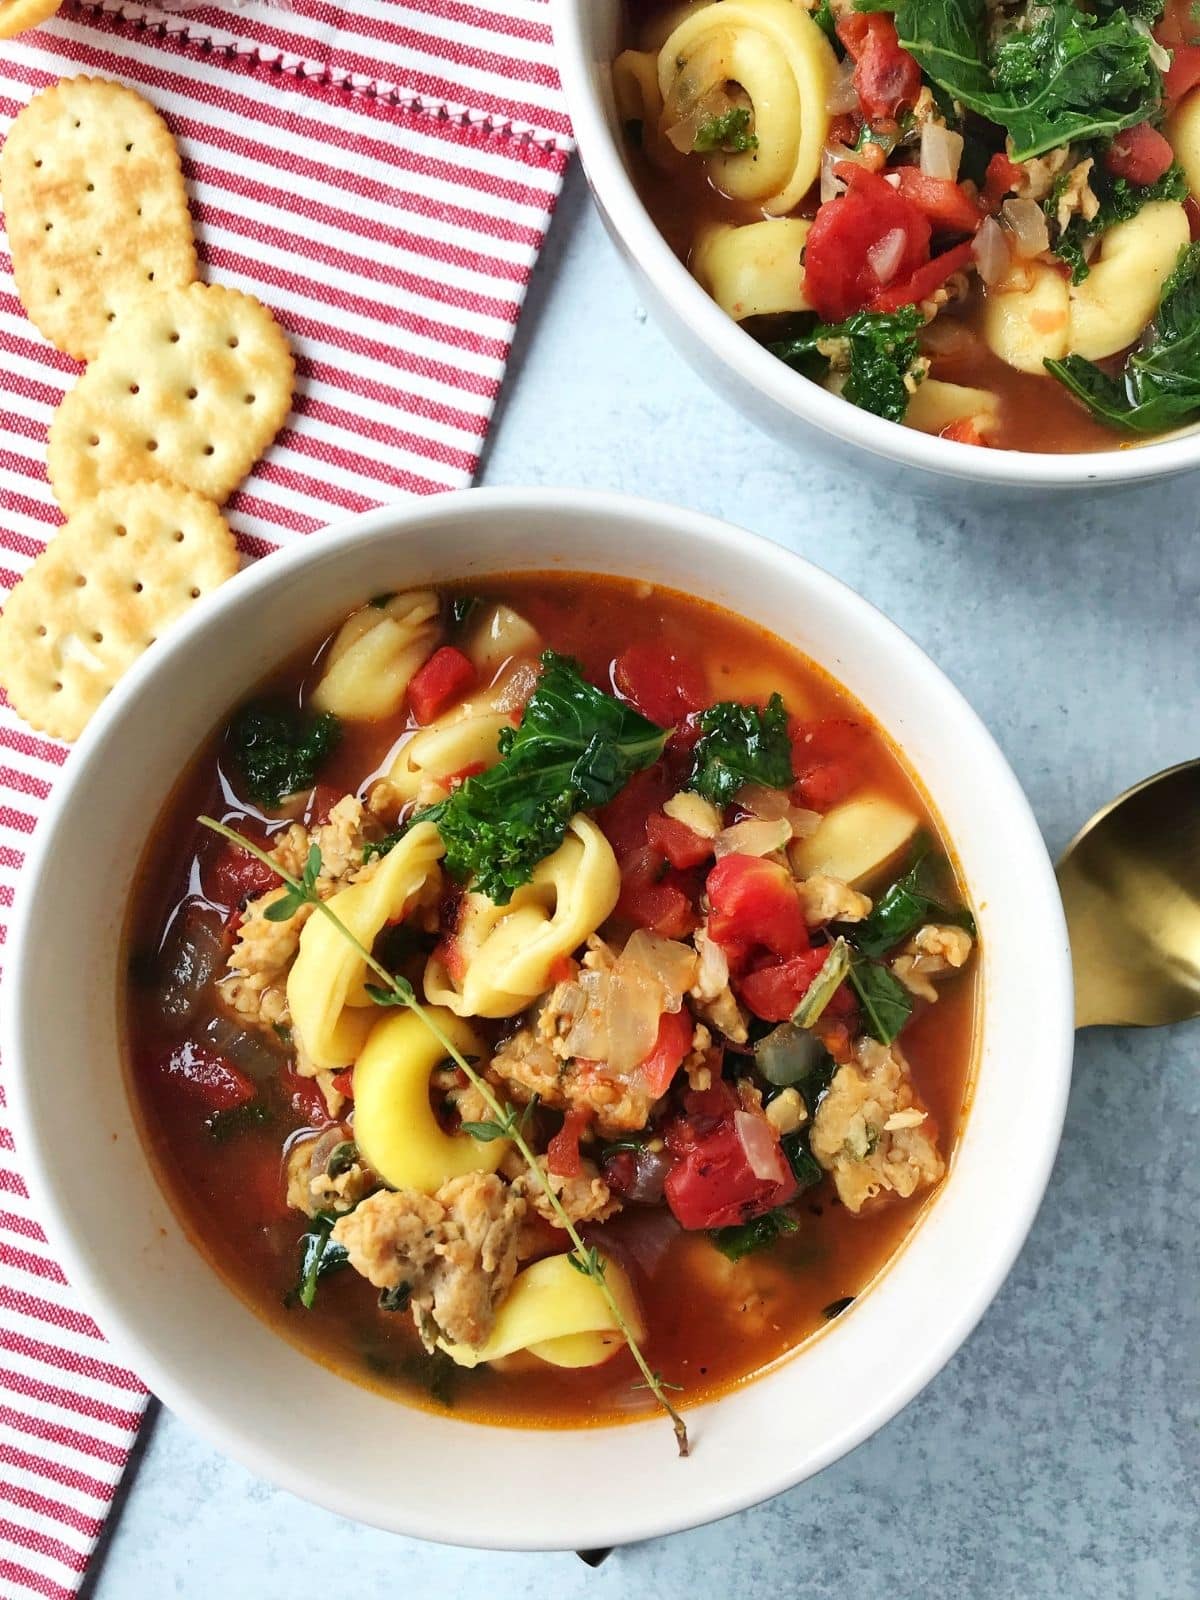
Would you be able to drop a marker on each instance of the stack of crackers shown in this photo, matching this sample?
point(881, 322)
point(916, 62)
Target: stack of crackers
point(186, 385)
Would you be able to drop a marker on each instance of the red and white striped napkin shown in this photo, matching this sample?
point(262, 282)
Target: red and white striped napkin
point(381, 175)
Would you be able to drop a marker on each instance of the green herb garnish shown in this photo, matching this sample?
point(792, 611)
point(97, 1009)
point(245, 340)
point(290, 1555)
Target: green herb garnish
point(886, 1004)
point(880, 348)
point(741, 744)
point(575, 749)
point(509, 1123)
point(728, 131)
point(824, 986)
point(319, 1256)
point(279, 753)
point(747, 1237)
point(1159, 388)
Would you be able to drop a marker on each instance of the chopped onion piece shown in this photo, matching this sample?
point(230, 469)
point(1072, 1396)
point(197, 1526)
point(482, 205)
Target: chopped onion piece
point(788, 1055)
point(667, 962)
point(633, 1010)
point(588, 1035)
point(991, 253)
point(941, 151)
point(842, 96)
point(1027, 220)
point(803, 823)
point(760, 1146)
point(755, 837)
point(1160, 57)
point(763, 802)
point(886, 254)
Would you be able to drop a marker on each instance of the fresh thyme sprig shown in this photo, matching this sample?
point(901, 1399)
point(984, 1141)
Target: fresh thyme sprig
point(394, 990)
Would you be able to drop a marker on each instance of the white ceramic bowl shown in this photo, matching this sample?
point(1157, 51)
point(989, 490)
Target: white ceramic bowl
point(587, 36)
point(223, 1370)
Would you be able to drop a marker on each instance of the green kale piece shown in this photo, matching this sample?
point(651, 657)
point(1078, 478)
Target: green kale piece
point(278, 752)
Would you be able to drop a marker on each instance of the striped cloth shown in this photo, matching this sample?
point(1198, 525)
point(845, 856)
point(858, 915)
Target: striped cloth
point(381, 176)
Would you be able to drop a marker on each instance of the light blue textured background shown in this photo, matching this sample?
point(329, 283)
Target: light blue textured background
point(1056, 1455)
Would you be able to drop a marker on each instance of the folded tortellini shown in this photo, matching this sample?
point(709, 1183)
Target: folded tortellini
point(753, 269)
point(559, 1315)
point(505, 953)
point(394, 1125)
point(377, 650)
point(332, 1013)
point(466, 737)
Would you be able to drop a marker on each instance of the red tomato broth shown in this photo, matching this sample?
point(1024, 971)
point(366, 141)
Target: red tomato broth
point(1035, 412)
point(710, 1326)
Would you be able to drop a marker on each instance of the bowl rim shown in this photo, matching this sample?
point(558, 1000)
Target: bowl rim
point(221, 1424)
point(619, 201)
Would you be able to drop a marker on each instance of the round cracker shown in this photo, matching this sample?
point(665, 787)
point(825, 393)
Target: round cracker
point(18, 15)
point(190, 386)
point(95, 206)
point(113, 578)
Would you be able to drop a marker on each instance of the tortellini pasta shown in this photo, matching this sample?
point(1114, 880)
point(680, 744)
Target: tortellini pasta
point(753, 270)
point(635, 87)
point(504, 954)
point(466, 736)
point(1183, 133)
point(331, 1011)
point(500, 634)
point(1120, 295)
point(1029, 321)
point(776, 53)
point(394, 1124)
point(377, 650)
point(559, 1315)
point(937, 404)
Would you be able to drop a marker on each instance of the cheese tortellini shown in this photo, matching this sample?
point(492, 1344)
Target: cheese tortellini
point(778, 56)
point(467, 736)
point(558, 1315)
point(331, 1011)
point(377, 650)
point(394, 1125)
point(500, 634)
point(1183, 135)
point(504, 954)
point(753, 270)
point(937, 404)
point(1029, 320)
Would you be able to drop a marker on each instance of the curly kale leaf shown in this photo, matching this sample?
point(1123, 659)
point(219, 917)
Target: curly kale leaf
point(1061, 74)
point(740, 744)
point(279, 753)
point(575, 749)
point(1159, 388)
point(879, 349)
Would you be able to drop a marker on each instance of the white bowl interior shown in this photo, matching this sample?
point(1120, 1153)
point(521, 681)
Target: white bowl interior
point(190, 1337)
point(587, 35)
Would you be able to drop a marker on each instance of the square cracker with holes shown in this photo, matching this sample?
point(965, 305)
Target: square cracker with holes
point(95, 208)
point(191, 386)
point(112, 579)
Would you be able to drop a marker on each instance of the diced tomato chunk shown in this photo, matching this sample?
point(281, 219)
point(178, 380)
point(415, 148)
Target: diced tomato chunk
point(713, 1185)
point(232, 876)
point(343, 1082)
point(754, 905)
point(1000, 179)
point(1192, 211)
point(563, 969)
point(444, 678)
point(655, 897)
point(682, 846)
point(663, 684)
point(672, 1045)
point(623, 820)
point(774, 990)
point(1140, 154)
point(947, 205)
point(304, 1096)
point(207, 1078)
point(886, 77)
point(925, 280)
point(1183, 74)
point(838, 275)
point(826, 760)
point(563, 1155)
point(964, 430)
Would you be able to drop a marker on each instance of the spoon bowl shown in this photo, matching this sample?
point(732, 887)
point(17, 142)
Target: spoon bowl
point(1130, 883)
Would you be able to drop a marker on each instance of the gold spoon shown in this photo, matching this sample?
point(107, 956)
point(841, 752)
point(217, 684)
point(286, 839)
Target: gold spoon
point(1130, 882)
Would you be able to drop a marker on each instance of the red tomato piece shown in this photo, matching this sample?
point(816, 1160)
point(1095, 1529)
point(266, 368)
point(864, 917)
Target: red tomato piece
point(947, 205)
point(712, 1184)
point(682, 846)
point(663, 684)
point(965, 430)
point(1000, 179)
point(886, 77)
point(754, 905)
point(925, 280)
point(343, 1082)
point(304, 1096)
point(562, 1153)
point(826, 760)
point(444, 678)
point(1193, 215)
point(207, 1078)
point(233, 876)
point(1140, 154)
point(672, 1045)
point(564, 969)
point(774, 991)
point(655, 897)
point(838, 275)
point(1183, 74)
point(623, 820)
